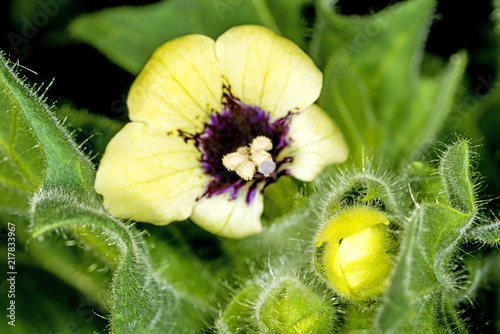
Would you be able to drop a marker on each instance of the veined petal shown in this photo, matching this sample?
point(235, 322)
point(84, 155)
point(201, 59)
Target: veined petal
point(149, 176)
point(267, 70)
point(179, 86)
point(316, 143)
point(230, 218)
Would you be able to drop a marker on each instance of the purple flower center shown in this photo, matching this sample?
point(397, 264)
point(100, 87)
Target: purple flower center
point(235, 126)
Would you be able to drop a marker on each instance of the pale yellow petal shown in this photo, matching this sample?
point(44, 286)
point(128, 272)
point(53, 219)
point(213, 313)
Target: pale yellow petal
point(316, 143)
point(149, 176)
point(229, 218)
point(267, 70)
point(179, 86)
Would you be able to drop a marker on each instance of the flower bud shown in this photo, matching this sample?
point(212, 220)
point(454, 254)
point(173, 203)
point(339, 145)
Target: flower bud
point(282, 303)
point(292, 307)
point(353, 253)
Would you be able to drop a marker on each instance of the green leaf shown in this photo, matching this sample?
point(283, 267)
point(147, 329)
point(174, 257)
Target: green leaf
point(372, 82)
point(422, 274)
point(289, 16)
point(31, 143)
point(346, 97)
point(21, 157)
point(129, 35)
point(387, 44)
point(488, 233)
point(419, 122)
point(422, 286)
point(292, 230)
point(66, 164)
point(138, 292)
point(196, 278)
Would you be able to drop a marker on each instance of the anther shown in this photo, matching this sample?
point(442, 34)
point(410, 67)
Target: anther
point(232, 160)
point(247, 159)
point(246, 170)
point(261, 143)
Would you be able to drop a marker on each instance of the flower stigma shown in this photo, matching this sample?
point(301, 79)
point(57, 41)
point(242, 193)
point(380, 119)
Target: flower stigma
point(246, 159)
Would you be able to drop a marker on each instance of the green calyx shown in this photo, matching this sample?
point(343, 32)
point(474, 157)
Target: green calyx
point(279, 304)
point(292, 307)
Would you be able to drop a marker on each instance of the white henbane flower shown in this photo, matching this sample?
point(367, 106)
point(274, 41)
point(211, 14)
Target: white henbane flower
point(213, 123)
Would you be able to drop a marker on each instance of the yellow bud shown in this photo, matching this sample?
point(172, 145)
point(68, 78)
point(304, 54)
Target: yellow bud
point(354, 257)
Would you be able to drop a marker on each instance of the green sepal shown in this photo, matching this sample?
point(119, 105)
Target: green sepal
point(488, 233)
point(364, 188)
point(455, 170)
point(276, 302)
point(425, 183)
point(292, 307)
point(237, 315)
point(419, 297)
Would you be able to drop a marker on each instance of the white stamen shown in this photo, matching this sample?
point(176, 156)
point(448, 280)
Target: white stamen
point(232, 160)
point(244, 150)
point(246, 159)
point(260, 156)
point(246, 170)
point(261, 143)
